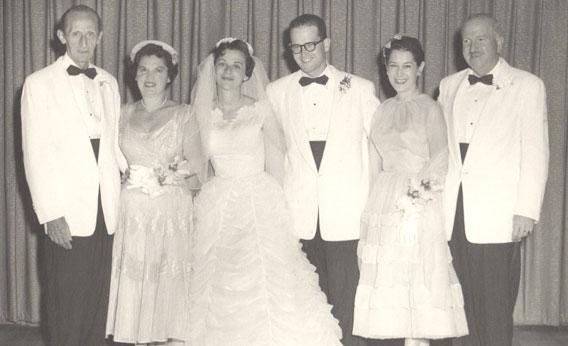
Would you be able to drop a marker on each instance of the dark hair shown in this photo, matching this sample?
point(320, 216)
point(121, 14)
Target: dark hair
point(152, 49)
point(310, 20)
point(407, 44)
point(239, 45)
point(77, 9)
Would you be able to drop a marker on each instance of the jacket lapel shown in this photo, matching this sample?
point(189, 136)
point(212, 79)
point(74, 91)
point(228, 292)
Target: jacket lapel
point(336, 116)
point(110, 119)
point(75, 109)
point(487, 118)
point(452, 141)
point(295, 113)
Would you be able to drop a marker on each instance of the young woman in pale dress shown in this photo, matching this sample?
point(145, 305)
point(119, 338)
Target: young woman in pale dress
point(408, 287)
point(251, 283)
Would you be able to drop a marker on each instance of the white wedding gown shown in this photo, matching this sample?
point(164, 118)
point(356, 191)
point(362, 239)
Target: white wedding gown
point(251, 283)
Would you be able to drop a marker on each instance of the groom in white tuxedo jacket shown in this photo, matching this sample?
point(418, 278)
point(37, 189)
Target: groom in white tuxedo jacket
point(70, 112)
point(498, 144)
point(325, 114)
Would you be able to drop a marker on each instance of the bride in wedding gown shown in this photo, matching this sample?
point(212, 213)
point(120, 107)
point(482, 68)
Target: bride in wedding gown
point(251, 283)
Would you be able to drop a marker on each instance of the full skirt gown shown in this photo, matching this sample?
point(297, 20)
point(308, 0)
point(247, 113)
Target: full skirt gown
point(408, 287)
point(251, 283)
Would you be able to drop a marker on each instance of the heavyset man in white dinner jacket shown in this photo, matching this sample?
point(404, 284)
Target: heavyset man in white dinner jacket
point(70, 112)
point(498, 144)
point(325, 114)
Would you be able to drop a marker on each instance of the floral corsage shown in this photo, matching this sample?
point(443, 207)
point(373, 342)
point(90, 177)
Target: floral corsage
point(345, 84)
point(411, 204)
point(152, 180)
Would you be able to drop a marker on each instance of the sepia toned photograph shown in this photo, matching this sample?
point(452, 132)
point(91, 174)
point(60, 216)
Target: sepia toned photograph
point(284, 172)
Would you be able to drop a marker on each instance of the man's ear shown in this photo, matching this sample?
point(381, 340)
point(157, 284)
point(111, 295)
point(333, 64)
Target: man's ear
point(61, 37)
point(500, 41)
point(99, 38)
point(326, 44)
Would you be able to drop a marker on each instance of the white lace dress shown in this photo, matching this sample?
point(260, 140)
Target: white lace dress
point(251, 283)
point(149, 292)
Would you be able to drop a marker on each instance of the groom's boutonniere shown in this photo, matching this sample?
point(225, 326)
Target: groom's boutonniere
point(498, 86)
point(345, 84)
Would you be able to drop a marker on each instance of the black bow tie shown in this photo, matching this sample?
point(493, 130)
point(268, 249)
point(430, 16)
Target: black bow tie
point(487, 79)
point(90, 72)
point(307, 80)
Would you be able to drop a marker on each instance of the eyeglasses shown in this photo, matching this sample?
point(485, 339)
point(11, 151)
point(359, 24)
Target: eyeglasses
point(308, 46)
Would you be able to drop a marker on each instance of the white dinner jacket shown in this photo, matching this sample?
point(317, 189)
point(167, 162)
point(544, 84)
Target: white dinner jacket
point(339, 190)
point(506, 166)
point(61, 170)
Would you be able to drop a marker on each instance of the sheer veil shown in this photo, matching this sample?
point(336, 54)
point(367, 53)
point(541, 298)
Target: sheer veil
point(204, 95)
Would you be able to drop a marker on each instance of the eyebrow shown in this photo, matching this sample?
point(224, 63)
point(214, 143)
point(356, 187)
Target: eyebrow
point(234, 62)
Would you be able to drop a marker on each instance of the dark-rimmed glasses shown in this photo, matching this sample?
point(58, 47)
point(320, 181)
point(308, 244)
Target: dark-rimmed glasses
point(308, 46)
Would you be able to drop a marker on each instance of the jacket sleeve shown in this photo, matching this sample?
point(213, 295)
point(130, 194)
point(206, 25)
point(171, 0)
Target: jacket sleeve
point(39, 153)
point(370, 102)
point(534, 150)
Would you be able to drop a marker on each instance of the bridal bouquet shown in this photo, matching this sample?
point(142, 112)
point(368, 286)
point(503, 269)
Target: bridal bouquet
point(411, 204)
point(151, 180)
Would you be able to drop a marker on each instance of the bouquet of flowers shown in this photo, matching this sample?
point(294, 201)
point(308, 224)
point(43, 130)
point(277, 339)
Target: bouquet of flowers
point(151, 180)
point(411, 204)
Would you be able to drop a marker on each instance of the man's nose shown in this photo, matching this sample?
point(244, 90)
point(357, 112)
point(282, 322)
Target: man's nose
point(473, 47)
point(82, 41)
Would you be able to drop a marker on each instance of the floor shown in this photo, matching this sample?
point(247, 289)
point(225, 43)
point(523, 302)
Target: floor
point(13, 335)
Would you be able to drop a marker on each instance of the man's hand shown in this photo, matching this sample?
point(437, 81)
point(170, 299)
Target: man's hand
point(522, 226)
point(58, 232)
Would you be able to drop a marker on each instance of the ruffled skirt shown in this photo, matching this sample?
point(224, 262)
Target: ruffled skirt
point(408, 287)
point(251, 282)
point(149, 292)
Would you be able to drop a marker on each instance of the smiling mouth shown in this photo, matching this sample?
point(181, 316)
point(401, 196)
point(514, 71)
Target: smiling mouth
point(149, 84)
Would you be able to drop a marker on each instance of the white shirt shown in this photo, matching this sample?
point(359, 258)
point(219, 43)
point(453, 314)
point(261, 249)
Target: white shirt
point(316, 101)
point(469, 104)
point(89, 93)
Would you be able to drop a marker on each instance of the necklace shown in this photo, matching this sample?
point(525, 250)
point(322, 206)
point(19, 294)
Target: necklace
point(158, 107)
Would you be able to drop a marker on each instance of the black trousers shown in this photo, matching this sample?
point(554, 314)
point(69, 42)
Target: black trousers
point(76, 286)
point(489, 275)
point(336, 265)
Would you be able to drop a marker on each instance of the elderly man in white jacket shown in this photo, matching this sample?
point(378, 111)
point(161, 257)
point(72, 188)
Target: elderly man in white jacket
point(70, 112)
point(498, 144)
